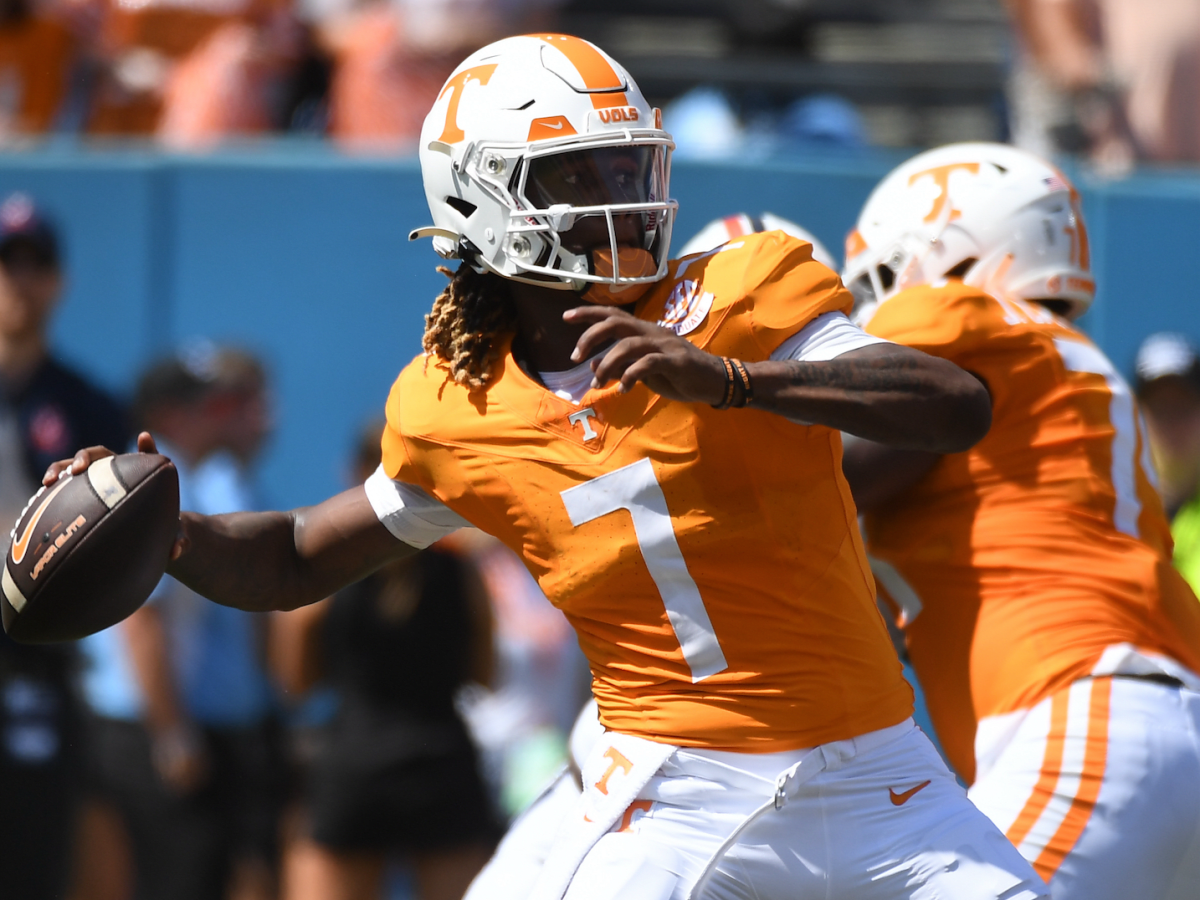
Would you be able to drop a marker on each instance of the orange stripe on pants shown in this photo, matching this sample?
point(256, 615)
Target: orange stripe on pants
point(1043, 791)
point(1095, 757)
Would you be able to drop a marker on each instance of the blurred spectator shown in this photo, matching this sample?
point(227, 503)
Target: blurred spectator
point(223, 88)
point(303, 106)
point(822, 121)
point(185, 744)
point(242, 411)
point(1119, 79)
point(393, 56)
point(46, 410)
point(704, 125)
point(1167, 380)
point(817, 122)
point(193, 72)
point(398, 773)
point(220, 652)
point(37, 54)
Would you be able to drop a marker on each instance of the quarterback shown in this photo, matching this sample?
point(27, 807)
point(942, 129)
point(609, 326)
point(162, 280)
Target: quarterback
point(1057, 646)
point(659, 441)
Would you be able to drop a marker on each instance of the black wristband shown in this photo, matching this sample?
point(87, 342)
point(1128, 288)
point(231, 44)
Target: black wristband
point(745, 393)
point(739, 391)
point(730, 385)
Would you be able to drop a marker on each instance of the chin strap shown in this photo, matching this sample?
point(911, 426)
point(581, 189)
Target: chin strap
point(632, 262)
point(613, 295)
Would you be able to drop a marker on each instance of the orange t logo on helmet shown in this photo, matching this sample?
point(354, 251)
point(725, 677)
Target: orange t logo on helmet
point(941, 177)
point(1013, 228)
point(453, 134)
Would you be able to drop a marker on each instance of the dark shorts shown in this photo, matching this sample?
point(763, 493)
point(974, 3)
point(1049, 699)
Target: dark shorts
point(185, 845)
point(40, 784)
point(387, 783)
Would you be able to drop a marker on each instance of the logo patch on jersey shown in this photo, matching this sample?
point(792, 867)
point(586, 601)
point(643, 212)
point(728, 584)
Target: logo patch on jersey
point(581, 418)
point(686, 308)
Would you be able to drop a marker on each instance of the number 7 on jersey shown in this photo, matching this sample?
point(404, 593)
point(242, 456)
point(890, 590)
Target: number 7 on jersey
point(636, 489)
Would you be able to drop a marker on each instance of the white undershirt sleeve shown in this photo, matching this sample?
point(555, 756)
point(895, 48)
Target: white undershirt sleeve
point(826, 337)
point(409, 513)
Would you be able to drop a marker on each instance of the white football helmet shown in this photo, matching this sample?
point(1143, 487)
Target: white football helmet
point(532, 137)
point(989, 215)
point(722, 231)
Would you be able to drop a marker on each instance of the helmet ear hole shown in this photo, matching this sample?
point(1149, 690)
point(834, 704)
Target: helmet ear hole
point(959, 272)
point(461, 206)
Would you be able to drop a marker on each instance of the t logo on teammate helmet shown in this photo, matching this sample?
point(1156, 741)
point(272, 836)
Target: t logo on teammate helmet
point(989, 215)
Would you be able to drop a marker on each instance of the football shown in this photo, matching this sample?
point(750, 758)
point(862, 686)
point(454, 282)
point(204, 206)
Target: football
point(88, 550)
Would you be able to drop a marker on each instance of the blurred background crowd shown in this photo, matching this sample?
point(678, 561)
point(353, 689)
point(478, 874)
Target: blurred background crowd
point(375, 744)
point(1113, 79)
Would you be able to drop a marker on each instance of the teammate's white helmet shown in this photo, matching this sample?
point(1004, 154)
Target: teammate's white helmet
point(722, 231)
point(992, 216)
point(530, 136)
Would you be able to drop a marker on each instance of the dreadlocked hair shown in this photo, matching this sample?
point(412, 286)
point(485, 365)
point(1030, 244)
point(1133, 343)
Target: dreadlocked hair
point(468, 320)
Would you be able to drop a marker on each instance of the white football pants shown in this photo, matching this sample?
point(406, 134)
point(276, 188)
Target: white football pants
point(871, 819)
point(1099, 787)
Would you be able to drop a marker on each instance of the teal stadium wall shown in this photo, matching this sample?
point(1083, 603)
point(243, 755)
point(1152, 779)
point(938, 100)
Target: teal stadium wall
point(302, 254)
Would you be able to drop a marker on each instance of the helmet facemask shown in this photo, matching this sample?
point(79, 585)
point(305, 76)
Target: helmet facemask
point(873, 280)
point(588, 214)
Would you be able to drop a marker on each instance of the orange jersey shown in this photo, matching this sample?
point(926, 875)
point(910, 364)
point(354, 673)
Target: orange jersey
point(1019, 561)
point(218, 90)
point(709, 560)
point(35, 61)
point(380, 94)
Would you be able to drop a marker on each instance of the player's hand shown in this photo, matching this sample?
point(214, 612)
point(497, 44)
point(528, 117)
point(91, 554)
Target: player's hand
point(646, 352)
point(78, 464)
point(84, 458)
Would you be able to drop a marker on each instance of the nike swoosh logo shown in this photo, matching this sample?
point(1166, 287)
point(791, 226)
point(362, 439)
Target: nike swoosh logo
point(556, 126)
point(21, 544)
point(901, 799)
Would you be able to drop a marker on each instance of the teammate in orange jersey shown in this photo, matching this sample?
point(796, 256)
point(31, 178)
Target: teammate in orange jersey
point(1057, 647)
point(632, 427)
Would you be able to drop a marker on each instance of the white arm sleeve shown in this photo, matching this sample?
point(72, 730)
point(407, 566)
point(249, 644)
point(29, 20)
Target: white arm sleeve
point(409, 513)
point(826, 337)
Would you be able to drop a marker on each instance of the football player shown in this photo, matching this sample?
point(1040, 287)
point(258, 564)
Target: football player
point(660, 443)
point(1057, 647)
point(517, 862)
